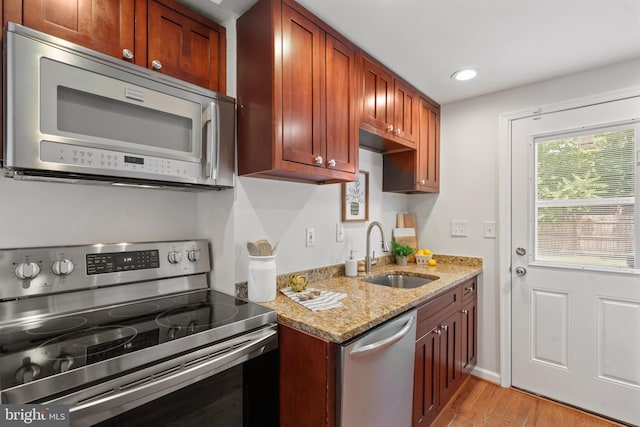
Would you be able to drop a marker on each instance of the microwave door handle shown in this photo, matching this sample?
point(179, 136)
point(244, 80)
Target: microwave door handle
point(213, 140)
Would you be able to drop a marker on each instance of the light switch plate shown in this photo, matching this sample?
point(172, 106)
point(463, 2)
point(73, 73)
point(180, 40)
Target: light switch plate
point(339, 232)
point(311, 237)
point(459, 228)
point(489, 229)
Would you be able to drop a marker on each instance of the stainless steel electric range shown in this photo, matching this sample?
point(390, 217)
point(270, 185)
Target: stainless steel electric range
point(131, 334)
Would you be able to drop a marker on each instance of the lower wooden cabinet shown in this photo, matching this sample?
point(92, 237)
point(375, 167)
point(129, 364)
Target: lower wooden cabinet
point(446, 349)
point(307, 379)
point(445, 353)
point(469, 355)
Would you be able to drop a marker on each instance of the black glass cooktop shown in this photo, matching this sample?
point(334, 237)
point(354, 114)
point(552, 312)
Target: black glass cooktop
point(35, 349)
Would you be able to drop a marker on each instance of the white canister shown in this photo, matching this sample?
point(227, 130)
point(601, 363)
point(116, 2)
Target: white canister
point(351, 268)
point(262, 278)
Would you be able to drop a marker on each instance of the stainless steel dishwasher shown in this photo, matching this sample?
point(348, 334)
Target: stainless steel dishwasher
point(375, 376)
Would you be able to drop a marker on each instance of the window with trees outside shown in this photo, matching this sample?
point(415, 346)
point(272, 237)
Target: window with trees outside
point(585, 198)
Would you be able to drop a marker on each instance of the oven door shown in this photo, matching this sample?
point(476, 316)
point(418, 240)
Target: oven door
point(229, 384)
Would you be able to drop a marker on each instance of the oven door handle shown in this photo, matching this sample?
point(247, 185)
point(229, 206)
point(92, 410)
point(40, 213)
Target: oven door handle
point(89, 411)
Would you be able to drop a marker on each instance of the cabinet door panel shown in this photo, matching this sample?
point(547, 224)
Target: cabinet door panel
point(187, 49)
point(301, 92)
point(405, 112)
point(450, 366)
point(102, 25)
point(428, 178)
point(341, 132)
point(469, 335)
point(426, 400)
point(378, 97)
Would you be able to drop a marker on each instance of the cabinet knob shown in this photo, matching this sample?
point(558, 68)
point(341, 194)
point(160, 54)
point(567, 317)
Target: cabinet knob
point(127, 54)
point(437, 332)
point(156, 65)
point(332, 163)
point(389, 128)
point(465, 312)
point(319, 160)
point(398, 131)
point(444, 327)
point(423, 182)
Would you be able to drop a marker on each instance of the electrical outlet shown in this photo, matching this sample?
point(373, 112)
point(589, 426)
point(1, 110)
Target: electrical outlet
point(311, 237)
point(489, 229)
point(339, 232)
point(459, 228)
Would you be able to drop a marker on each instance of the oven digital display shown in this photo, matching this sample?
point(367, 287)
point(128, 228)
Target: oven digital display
point(122, 261)
point(134, 160)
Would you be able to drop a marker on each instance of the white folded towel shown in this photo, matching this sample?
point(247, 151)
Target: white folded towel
point(325, 301)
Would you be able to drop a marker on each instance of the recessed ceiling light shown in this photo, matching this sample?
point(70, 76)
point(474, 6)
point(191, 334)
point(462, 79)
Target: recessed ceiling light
point(466, 74)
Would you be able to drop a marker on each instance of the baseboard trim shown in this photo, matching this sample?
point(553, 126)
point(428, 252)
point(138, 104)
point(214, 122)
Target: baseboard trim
point(486, 374)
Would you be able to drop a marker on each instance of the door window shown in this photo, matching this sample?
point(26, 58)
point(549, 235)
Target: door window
point(585, 196)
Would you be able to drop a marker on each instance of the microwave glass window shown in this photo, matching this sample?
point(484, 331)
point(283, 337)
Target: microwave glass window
point(83, 113)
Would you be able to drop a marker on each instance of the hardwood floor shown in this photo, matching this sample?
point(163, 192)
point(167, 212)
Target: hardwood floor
point(481, 403)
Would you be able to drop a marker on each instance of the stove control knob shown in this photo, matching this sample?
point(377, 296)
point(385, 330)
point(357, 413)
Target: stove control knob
point(193, 255)
point(174, 257)
point(63, 267)
point(173, 332)
point(27, 373)
point(27, 270)
point(63, 363)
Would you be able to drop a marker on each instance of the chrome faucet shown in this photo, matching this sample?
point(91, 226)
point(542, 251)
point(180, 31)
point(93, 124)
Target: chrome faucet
point(368, 260)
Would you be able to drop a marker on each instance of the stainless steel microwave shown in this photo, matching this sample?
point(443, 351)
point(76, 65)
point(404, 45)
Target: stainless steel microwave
point(71, 113)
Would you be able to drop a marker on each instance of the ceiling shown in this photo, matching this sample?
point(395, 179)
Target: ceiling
point(510, 42)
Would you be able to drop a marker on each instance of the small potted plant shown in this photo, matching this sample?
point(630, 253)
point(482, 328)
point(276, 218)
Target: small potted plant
point(401, 252)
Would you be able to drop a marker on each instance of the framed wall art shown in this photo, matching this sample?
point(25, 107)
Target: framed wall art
point(355, 199)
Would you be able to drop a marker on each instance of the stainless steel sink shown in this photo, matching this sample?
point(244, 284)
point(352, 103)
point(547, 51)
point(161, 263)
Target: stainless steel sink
point(400, 281)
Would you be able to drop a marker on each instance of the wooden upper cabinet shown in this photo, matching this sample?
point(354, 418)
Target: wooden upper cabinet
point(378, 96)
point(389, 106)
point(297, 96)
point(341, 127)
point(185, 45)
point(428, 169)
point(301, 91)
point(405, 108)
point(106, 25)
point(417, 171)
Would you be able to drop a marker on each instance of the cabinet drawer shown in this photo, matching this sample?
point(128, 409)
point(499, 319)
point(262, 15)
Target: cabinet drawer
point(432, 312)
point(469, 289)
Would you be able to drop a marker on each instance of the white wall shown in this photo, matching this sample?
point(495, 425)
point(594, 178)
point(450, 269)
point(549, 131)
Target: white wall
point(41, 214)
point(469, 179)
point(281, 211)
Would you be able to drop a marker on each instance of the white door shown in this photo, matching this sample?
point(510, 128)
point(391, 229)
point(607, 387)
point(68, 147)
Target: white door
point(575, 258)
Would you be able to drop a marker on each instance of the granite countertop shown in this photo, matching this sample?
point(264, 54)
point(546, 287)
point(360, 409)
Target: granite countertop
point(368, 305)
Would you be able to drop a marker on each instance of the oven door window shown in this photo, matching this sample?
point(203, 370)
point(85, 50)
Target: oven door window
point(245, 395)
point(87, 107)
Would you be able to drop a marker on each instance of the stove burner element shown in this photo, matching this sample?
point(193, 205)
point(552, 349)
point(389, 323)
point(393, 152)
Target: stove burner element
point(56, 326)
point(212, 314)
point(91, 341)
point(134, 311)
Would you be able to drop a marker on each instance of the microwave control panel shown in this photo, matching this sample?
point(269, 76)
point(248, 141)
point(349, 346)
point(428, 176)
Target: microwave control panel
point(96, 159)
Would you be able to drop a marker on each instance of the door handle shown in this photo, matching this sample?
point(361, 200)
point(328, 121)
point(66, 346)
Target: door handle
point(521, 251)
point(521, 271)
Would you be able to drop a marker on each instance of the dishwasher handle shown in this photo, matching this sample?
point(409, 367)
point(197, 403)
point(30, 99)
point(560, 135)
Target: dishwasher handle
point(382, 344)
